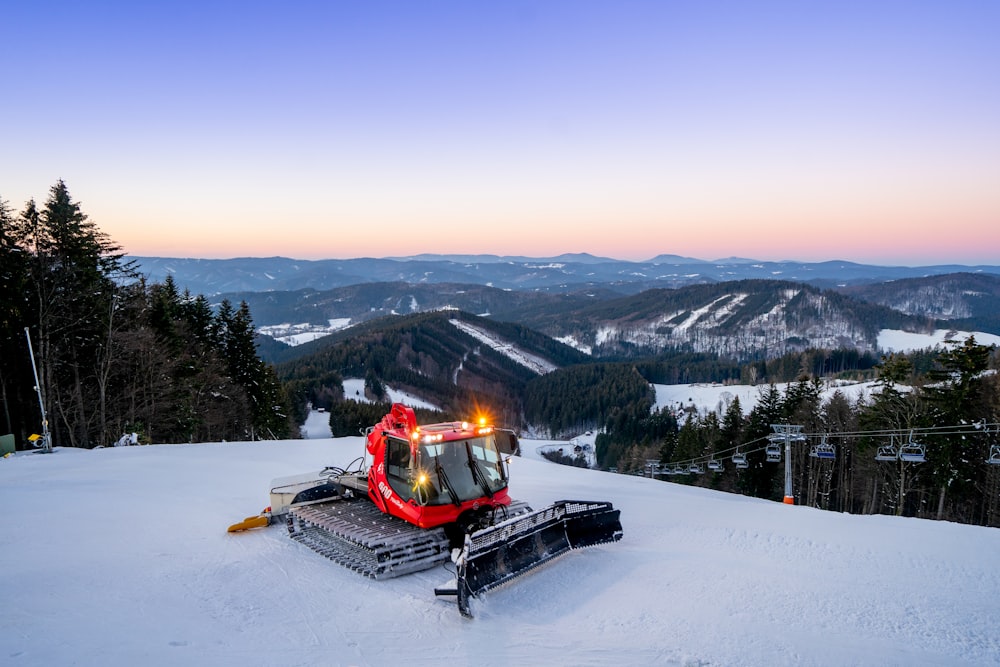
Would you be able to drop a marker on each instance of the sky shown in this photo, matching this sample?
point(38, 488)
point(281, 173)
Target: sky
point(120, 556)
point(865, 131)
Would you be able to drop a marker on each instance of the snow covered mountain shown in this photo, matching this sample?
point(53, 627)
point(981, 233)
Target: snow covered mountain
point(120, 557)
point(740, 319)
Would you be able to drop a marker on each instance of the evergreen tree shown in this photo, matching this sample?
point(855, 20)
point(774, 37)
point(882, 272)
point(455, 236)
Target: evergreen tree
point(115, 355)
point(732, 425)
point(72, 275)
point(840, 417)
point(197, 313)
point(958, 392)
point(164, 310)
point(760, 479)
point(895, 412)
point(14, 367)
point(374, 386)
point(268, 406)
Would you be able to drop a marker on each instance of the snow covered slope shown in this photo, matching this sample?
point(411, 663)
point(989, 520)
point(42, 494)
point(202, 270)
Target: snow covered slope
point(120, 557)
point(354, 390)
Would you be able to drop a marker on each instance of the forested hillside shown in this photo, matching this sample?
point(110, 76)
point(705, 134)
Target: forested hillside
point(427, 355)
point(925, 443)
point(743, 320)
point(367, 301)
point(114, 354)
point(967, 301)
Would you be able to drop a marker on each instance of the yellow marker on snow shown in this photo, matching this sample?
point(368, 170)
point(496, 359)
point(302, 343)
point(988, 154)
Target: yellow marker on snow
point(258, 521)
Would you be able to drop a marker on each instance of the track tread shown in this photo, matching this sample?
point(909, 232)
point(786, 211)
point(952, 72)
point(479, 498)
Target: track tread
point(355, 534)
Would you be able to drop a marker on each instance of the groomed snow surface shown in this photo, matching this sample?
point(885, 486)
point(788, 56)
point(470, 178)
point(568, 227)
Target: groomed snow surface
point(120, 556)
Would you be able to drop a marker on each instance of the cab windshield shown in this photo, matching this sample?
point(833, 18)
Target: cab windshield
point(453, 472)
point(446, 472)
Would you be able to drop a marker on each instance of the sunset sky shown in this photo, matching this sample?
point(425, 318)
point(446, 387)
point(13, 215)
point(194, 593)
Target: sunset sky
point(866, 131)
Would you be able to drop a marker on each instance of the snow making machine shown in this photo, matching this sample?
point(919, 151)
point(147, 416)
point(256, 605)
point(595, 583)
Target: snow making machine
point(430, 494)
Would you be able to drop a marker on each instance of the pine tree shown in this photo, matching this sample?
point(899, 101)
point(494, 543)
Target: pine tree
point(269, 413)
point(760, 479)
point(14, 366)
point(72, 277)
point(958, 393)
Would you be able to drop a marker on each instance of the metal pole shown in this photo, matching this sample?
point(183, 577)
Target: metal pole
point(46, 438)
point(788, 433)
point(789, 498)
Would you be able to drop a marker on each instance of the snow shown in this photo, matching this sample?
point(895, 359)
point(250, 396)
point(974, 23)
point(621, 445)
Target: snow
point(536, 449)
point(715, 397)
point(530, 361)
point(303, 332)
point(317, 425)
point(572, 341)
point(354, 390)
point(891, 340)
point(119, 556)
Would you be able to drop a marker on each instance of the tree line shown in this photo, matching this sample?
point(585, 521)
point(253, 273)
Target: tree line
point(115, 354)
point(952, 407)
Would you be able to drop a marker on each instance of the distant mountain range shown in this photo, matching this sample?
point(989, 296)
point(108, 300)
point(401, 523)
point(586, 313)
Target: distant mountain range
point(608, 309)
point(561, 274)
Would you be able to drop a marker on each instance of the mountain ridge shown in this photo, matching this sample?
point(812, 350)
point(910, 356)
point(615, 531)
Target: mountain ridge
point(559, 274)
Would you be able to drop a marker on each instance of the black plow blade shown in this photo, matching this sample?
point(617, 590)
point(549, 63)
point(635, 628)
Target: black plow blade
point(495, 555)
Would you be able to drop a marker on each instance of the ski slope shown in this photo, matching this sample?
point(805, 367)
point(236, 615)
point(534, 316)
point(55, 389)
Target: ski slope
point(119, 556)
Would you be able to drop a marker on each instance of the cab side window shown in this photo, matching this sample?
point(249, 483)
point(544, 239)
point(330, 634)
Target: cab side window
point(397, 466)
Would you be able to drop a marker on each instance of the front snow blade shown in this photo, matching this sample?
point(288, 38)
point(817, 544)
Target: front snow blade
point(496, 555)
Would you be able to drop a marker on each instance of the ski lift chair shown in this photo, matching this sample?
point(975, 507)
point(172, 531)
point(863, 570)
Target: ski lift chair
point(994, 455)
point(887, 452)
point(824, 450)
point(912, 452)
point(740, 460)
point(695, 469)
point(715, 465)
point(773, 452)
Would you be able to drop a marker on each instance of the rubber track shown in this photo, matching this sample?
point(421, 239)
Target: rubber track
point(355, 534)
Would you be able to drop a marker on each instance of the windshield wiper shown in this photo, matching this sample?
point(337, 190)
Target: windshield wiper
point(445, 482)
point(478, 474)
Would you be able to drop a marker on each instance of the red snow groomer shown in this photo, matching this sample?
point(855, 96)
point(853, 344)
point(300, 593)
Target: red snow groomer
point(429, 494)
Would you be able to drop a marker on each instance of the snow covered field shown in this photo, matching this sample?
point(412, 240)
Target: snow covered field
point(120, 557)
point(890, 340)
point(708, 397)
point(714, 397)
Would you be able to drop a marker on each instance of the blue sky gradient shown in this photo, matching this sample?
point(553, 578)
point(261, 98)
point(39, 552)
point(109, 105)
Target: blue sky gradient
point(867, 131)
